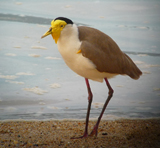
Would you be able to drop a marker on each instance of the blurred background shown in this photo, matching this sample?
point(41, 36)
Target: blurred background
point(35, 83)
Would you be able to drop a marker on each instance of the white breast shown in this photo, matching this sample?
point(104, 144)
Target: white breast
point(68, 45)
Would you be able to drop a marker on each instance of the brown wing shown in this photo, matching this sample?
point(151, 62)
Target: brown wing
point(105, 53)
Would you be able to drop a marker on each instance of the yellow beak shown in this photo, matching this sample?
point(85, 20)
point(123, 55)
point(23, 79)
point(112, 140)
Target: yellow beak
point(47, 33)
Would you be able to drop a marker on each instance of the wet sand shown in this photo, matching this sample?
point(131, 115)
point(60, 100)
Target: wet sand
point(57, 133)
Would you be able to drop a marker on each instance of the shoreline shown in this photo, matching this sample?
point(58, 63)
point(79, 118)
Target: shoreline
point(58, 133)
point(72, 119)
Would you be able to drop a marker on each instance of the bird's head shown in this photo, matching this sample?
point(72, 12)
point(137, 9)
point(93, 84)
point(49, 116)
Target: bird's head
point(57, 25)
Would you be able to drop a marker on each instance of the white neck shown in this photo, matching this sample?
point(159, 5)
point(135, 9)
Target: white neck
point(68, 41)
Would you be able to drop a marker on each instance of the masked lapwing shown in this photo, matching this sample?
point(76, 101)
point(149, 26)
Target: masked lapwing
point(93, 55)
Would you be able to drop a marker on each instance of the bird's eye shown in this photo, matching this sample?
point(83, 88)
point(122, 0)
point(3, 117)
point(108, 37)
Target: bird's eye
point(61, 25)
point(50, 29)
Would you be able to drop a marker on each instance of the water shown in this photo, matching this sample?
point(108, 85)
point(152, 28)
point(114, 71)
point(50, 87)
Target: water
point(35, 83)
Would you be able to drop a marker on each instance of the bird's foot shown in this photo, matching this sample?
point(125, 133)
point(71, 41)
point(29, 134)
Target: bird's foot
point(94, 131)
point(85, 135)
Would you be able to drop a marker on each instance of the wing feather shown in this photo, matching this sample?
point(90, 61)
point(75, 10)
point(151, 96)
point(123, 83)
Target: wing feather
point(105, 53)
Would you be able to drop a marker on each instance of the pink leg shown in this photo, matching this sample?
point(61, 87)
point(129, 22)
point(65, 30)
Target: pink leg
point(88, 111)
point(110, 94)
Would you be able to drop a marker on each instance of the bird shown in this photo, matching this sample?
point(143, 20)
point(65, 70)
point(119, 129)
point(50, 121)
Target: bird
point(93, 55)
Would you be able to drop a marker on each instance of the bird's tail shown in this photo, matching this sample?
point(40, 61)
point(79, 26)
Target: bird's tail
point(132, 70)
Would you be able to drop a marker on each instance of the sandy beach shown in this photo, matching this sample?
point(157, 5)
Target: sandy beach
point(57, 133)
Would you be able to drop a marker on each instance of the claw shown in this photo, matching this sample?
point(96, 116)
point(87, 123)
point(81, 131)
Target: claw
point(85, 135)
point(94, 131)
point(79, 51)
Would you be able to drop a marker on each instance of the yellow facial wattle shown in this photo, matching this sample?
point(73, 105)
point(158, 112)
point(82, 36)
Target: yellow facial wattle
point(55, 29)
